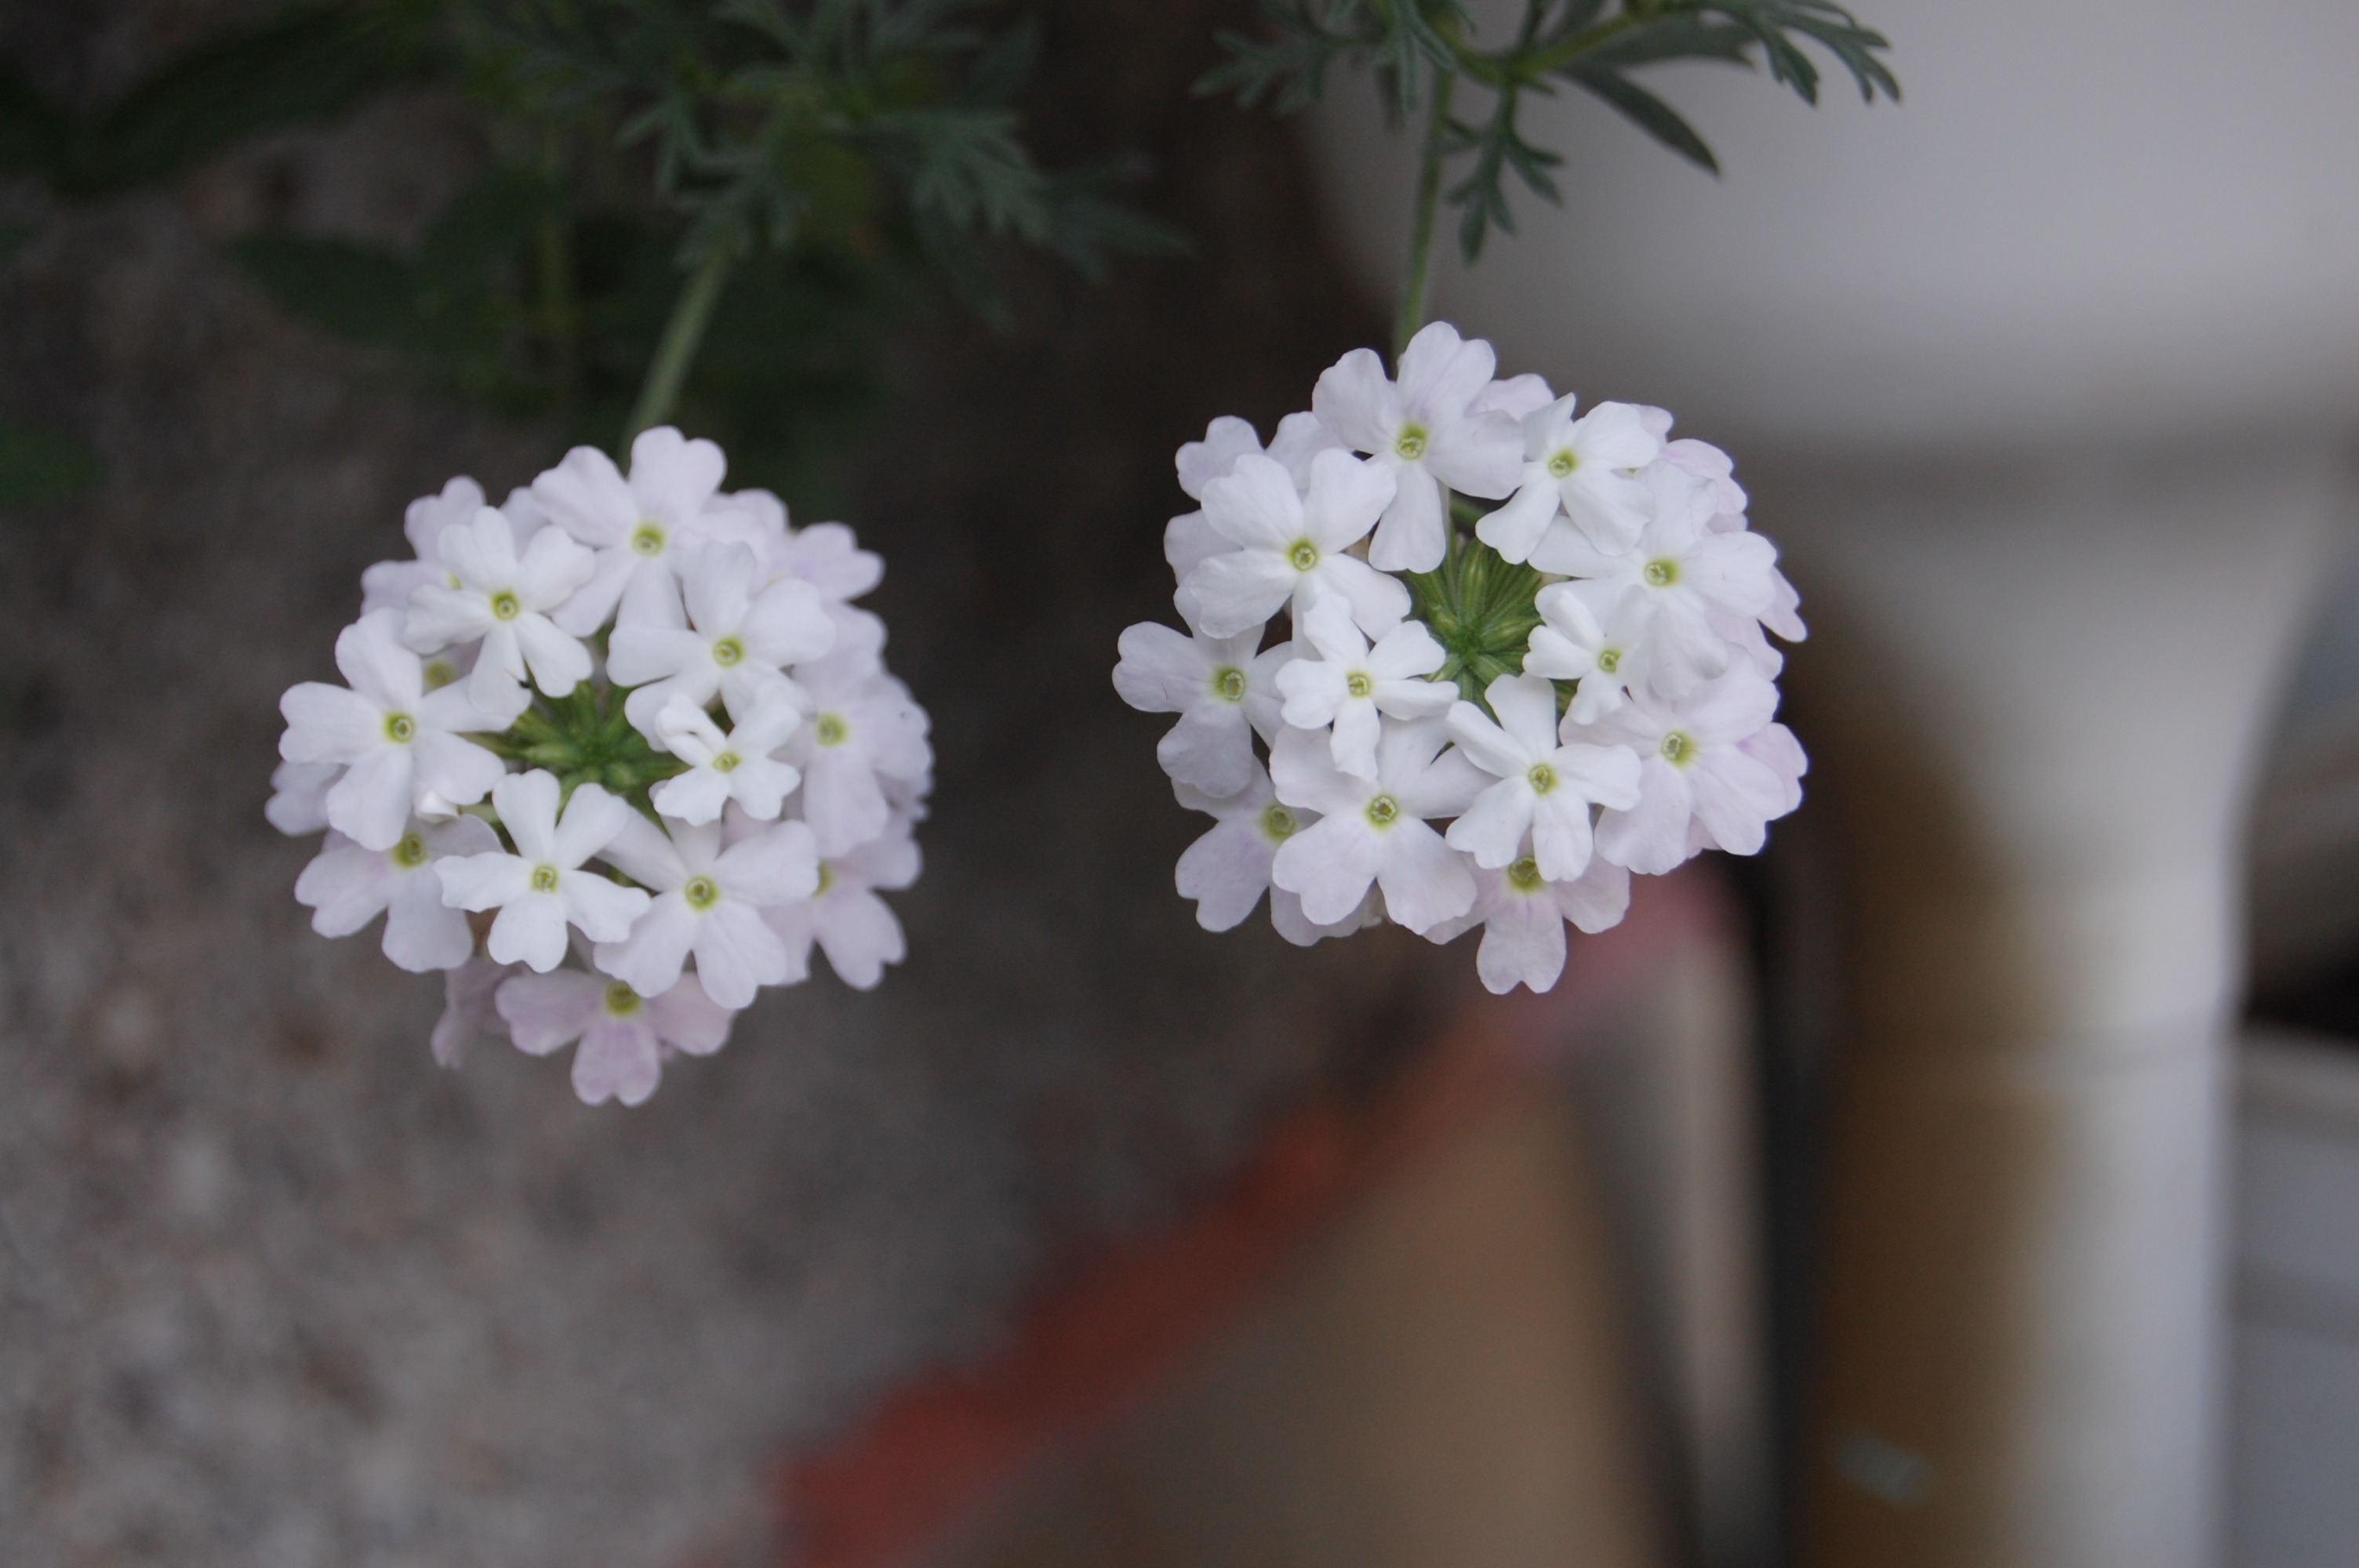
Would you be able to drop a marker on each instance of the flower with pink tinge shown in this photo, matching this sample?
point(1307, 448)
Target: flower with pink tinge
point(1688, 573)
point(1582, 467)
point(402, 747)
point(1609, 659)
point(1376, 830)
point(347, 886)
point(736, 767)
point(541, 889)
point(503, 599)
point(1715, 771)
point(1222, 689)
point(388, 584)
point(856, 930)
point(1189, 537)
point(1354, 687)
point(625, 1036)
point(467, 1008)
point(1290, 546)
point(709, 901)
point(636, 526)
point(862, 738)
point(1546, 786)
point(298, 797)
point(1523, 913)
point(1427, 430)
point(737, 645)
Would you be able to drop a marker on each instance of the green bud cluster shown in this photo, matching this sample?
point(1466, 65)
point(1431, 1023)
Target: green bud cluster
point(1480, 608)
point(584, 738)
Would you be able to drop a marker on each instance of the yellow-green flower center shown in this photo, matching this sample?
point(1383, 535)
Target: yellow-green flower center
point(1662, 573)
point(1409, 445)
point(1609, 661)
point(648, 538)
point(439, 672)
point(1678, 750)
point(1229, 684)
point(1303, 555)
point(544, 879)
point(505, 606)
point(1542, 778)
point(725, 762)
point(1525, 875)
point(826, 879)
point(701, 892)
point(621, 1001)
point(401, 729)
point(411, 851)
point(1276, 822)
point(830, 730)
point(1384, 811)
point(1358, 684)
point(728, 651)
point(1561, 465)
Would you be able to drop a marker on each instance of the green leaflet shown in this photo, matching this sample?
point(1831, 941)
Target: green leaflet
point(1578, 41)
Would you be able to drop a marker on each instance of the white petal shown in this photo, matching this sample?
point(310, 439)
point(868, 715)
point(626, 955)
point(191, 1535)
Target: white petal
point(860, 936)
point(736, 954)
point(1492, 829)
point(672, 478)
point(374, 664)
point(344, 886)
point(528, 806)
point(587, 496)
point(1162, 671)
point(1346, 498)
point(688, 1019)
point(1226, 871)
point(696, 796)
point(1330, 864)
point(1211, 747)
point(529, 930)
point(616, 1060)
point(546, 1011)
point(370, 804)
point(329, 724)
point(1227, 439)
point(1523, 943)
point(1355, 400)
point(421, 932)
point(1424, 880)
point(649, 958)
point(605, 911)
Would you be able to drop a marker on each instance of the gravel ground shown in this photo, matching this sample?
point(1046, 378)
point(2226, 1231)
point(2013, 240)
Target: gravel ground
point(275, 1291)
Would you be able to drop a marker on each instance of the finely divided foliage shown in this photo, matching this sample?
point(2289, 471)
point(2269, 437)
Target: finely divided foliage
point(1422, 49)
point(1495, 742)
point(633, 720)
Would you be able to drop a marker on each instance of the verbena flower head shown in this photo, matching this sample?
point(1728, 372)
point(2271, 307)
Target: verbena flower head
point(617, 721)
point(1473, 715)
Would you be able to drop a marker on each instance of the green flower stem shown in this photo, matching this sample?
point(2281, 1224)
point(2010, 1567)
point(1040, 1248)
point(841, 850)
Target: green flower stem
point(682, 336)
point(1429, 201)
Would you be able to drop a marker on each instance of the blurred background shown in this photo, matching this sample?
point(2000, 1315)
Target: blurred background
point(1973, 1179)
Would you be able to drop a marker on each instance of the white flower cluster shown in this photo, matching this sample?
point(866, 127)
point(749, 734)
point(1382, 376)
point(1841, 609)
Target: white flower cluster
point(1493, 729)
point(637, 720)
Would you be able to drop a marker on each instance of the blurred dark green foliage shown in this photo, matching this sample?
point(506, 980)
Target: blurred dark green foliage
point(830, 167)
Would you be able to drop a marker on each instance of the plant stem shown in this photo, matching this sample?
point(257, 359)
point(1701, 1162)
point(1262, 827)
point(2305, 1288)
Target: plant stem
point(691, 313)
point(1429, 202)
